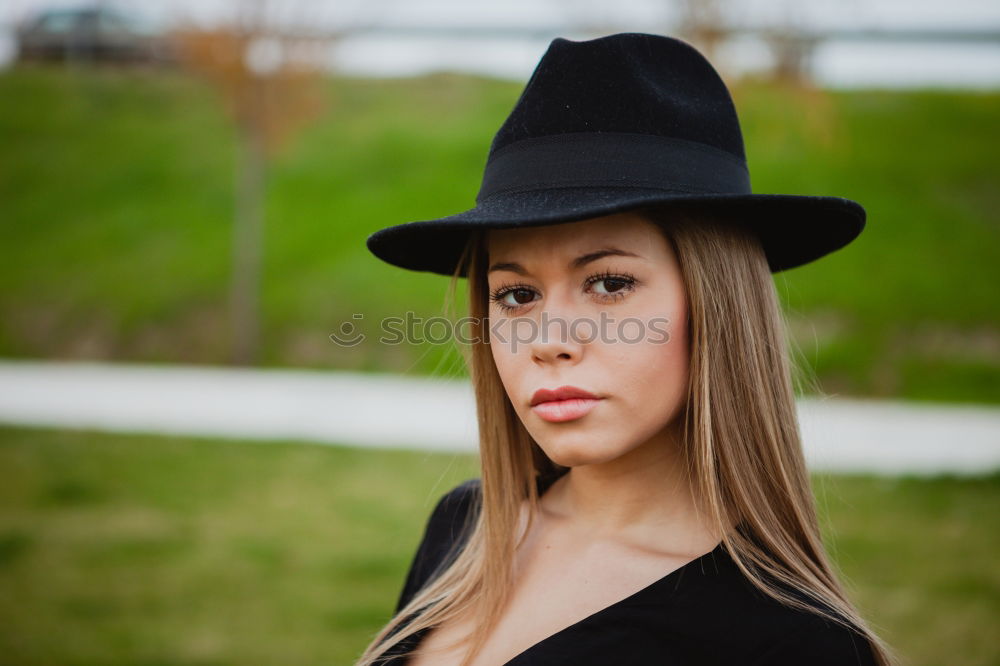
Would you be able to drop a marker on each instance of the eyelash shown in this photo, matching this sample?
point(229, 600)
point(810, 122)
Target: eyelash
point(497, 295)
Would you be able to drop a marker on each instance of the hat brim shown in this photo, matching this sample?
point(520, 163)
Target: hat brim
point(793, 229)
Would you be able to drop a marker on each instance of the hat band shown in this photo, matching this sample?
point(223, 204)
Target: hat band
point(613, 159)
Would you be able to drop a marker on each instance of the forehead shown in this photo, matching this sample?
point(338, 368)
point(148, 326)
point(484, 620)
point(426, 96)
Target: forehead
point(626, 231)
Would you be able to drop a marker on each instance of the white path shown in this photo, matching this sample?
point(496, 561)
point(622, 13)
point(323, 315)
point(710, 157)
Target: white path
point(393, 411)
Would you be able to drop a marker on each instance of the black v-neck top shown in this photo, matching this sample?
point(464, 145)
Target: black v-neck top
point(704, 613)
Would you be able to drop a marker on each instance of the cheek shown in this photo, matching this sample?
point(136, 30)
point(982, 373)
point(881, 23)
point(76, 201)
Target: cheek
point(660, 366)
point(654, 377)
point(506, 364)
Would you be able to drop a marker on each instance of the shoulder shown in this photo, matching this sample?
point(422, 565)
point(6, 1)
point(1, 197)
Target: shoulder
point(819, 642)
point(453, 513)
point(456, 503)
point(446, 530)
point(739, 622)
point(798, 636)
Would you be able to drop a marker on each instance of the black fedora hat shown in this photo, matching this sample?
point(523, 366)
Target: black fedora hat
point(625, 121)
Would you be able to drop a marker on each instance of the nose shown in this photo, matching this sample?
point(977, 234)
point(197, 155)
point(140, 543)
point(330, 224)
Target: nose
point(557, 341)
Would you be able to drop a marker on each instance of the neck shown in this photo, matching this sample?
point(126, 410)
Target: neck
point(642, 497)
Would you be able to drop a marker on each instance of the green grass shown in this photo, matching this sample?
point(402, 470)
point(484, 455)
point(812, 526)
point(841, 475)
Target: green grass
point(135, 549)
point(115, 193)
point(146, 550)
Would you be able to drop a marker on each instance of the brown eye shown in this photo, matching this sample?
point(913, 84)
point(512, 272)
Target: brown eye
point(520, 297)
point(520, 294)
point(612, 285)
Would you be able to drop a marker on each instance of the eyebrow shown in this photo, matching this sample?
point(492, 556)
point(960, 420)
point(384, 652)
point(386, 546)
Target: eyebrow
point(582, 260)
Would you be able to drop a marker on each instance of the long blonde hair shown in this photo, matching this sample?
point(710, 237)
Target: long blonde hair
point(742, 449)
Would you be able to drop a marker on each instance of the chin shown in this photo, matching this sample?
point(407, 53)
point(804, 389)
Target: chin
point(573, 451)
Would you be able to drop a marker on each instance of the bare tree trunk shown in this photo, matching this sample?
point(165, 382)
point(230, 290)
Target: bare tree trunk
point(248, 227)
point(248, 63)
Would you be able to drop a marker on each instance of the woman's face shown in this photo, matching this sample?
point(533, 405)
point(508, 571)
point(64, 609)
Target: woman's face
point(598, 305)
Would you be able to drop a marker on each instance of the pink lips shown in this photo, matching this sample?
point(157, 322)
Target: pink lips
point(565, 403)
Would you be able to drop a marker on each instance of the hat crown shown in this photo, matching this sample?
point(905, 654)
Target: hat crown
point(622, 122)
point(627, 82)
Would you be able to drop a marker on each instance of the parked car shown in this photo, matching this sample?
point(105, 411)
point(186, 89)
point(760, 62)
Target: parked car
point(90, 34)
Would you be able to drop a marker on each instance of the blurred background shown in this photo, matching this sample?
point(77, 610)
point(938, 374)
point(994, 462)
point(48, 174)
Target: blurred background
point(193, 472)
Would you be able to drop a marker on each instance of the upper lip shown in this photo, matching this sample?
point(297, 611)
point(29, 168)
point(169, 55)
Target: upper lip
point(561, 393)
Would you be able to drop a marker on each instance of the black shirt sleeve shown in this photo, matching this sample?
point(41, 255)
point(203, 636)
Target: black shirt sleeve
point(446, 531)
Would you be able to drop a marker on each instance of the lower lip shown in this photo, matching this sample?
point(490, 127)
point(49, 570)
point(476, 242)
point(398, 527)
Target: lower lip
point(557, 411)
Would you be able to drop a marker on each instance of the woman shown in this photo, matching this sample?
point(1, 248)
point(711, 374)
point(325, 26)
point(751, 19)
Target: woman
point(643, 497)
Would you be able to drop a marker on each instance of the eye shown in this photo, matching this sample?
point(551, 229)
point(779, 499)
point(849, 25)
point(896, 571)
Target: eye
point(612, 284)
point(608, 287)
point(521, 294)
point(615, 285)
